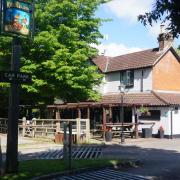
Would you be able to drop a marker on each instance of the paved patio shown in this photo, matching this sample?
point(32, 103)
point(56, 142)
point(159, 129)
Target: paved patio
point(30, 145)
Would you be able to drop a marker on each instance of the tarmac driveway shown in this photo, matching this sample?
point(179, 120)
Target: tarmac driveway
point(160, 157)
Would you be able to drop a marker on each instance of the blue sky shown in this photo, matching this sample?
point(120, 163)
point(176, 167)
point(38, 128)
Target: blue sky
point(124, 33)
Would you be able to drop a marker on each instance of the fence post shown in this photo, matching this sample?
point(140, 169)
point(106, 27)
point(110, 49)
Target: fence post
point(34, 128)
point(87, 130)
point(24, 126)
point(58, 127)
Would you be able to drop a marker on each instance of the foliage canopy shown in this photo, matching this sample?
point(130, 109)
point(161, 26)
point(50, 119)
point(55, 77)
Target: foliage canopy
point(58, 58)
point(165, 10)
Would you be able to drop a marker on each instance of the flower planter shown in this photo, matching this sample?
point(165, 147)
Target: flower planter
point(108, 136)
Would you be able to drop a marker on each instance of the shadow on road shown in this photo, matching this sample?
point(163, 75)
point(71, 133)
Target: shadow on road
point(158, 164)
point(155, 162)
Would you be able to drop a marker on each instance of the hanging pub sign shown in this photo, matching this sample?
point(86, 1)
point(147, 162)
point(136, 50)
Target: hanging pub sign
point(17, 17)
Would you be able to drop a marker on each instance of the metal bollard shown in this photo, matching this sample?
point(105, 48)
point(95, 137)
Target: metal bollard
point(65, 144)
point(70, 145)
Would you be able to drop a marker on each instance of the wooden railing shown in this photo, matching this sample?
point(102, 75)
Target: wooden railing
point(80, 127)
point(49, 127)
point(37, 128)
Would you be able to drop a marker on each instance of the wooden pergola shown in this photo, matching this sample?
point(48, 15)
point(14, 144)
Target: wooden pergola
point(109, 103)
point(90, 106)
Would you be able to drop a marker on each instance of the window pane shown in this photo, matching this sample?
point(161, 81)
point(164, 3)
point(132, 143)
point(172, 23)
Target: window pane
point(152, 115)
point(132, 77)
point(123, 77)
point(127, 77)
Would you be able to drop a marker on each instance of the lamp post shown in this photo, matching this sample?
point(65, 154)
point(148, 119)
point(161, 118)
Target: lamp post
point(121, 111)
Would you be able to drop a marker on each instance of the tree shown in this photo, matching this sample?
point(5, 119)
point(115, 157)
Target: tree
point(178, 50)
point(165, 10)
point(58, 58)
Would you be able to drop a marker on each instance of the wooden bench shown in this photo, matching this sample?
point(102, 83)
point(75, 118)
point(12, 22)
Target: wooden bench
point(116, 129)
point(127, 133)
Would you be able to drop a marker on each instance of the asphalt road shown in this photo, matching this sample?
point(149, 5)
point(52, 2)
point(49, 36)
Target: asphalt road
point(160, 158)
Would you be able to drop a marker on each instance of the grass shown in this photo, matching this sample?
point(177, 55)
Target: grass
point(33, 168)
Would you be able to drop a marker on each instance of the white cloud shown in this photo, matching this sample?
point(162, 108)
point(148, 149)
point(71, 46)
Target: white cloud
point(129, 9)
point(154, 30)
point(114, 49)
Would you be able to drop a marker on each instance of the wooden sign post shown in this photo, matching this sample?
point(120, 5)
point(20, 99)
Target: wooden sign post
point(16, 20)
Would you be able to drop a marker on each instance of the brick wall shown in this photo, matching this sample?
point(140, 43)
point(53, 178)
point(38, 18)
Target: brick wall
point(166, 74)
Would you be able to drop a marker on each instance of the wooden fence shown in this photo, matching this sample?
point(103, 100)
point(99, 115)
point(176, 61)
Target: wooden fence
point(49, 127)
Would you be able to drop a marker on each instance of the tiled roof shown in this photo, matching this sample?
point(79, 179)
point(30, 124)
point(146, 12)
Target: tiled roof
point(147, 99)
point(169, 98)
point(129, 99)
point(101, 62)
point(135, 60)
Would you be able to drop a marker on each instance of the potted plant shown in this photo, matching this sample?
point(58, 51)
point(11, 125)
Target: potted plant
point(161, 132)
point(143, 110)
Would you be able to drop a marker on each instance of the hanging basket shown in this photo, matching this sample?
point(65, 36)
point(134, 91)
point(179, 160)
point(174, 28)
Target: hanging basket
point(143, 110)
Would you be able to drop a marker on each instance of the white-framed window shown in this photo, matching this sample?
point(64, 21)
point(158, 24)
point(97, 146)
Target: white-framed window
point(127, 78)
point(154, 115)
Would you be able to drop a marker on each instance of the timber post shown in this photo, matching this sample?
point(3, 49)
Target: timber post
point(33, 128)
point(58, 127)
point(57, 114)
point(24, 126)
point(136, 123)
point(79, 113)
point(110, 112)
point(88, 113)
point(87, 130)
point(13, 112)
point(78, 128)
point(136, 131)
point(104, 122)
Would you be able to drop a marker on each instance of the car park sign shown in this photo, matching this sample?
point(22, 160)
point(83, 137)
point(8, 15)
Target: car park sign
point(15, 77)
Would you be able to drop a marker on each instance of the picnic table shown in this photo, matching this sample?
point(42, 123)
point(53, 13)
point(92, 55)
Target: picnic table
point(116, 128)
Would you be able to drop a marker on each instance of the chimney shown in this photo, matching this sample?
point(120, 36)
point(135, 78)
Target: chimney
point(165, 39)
